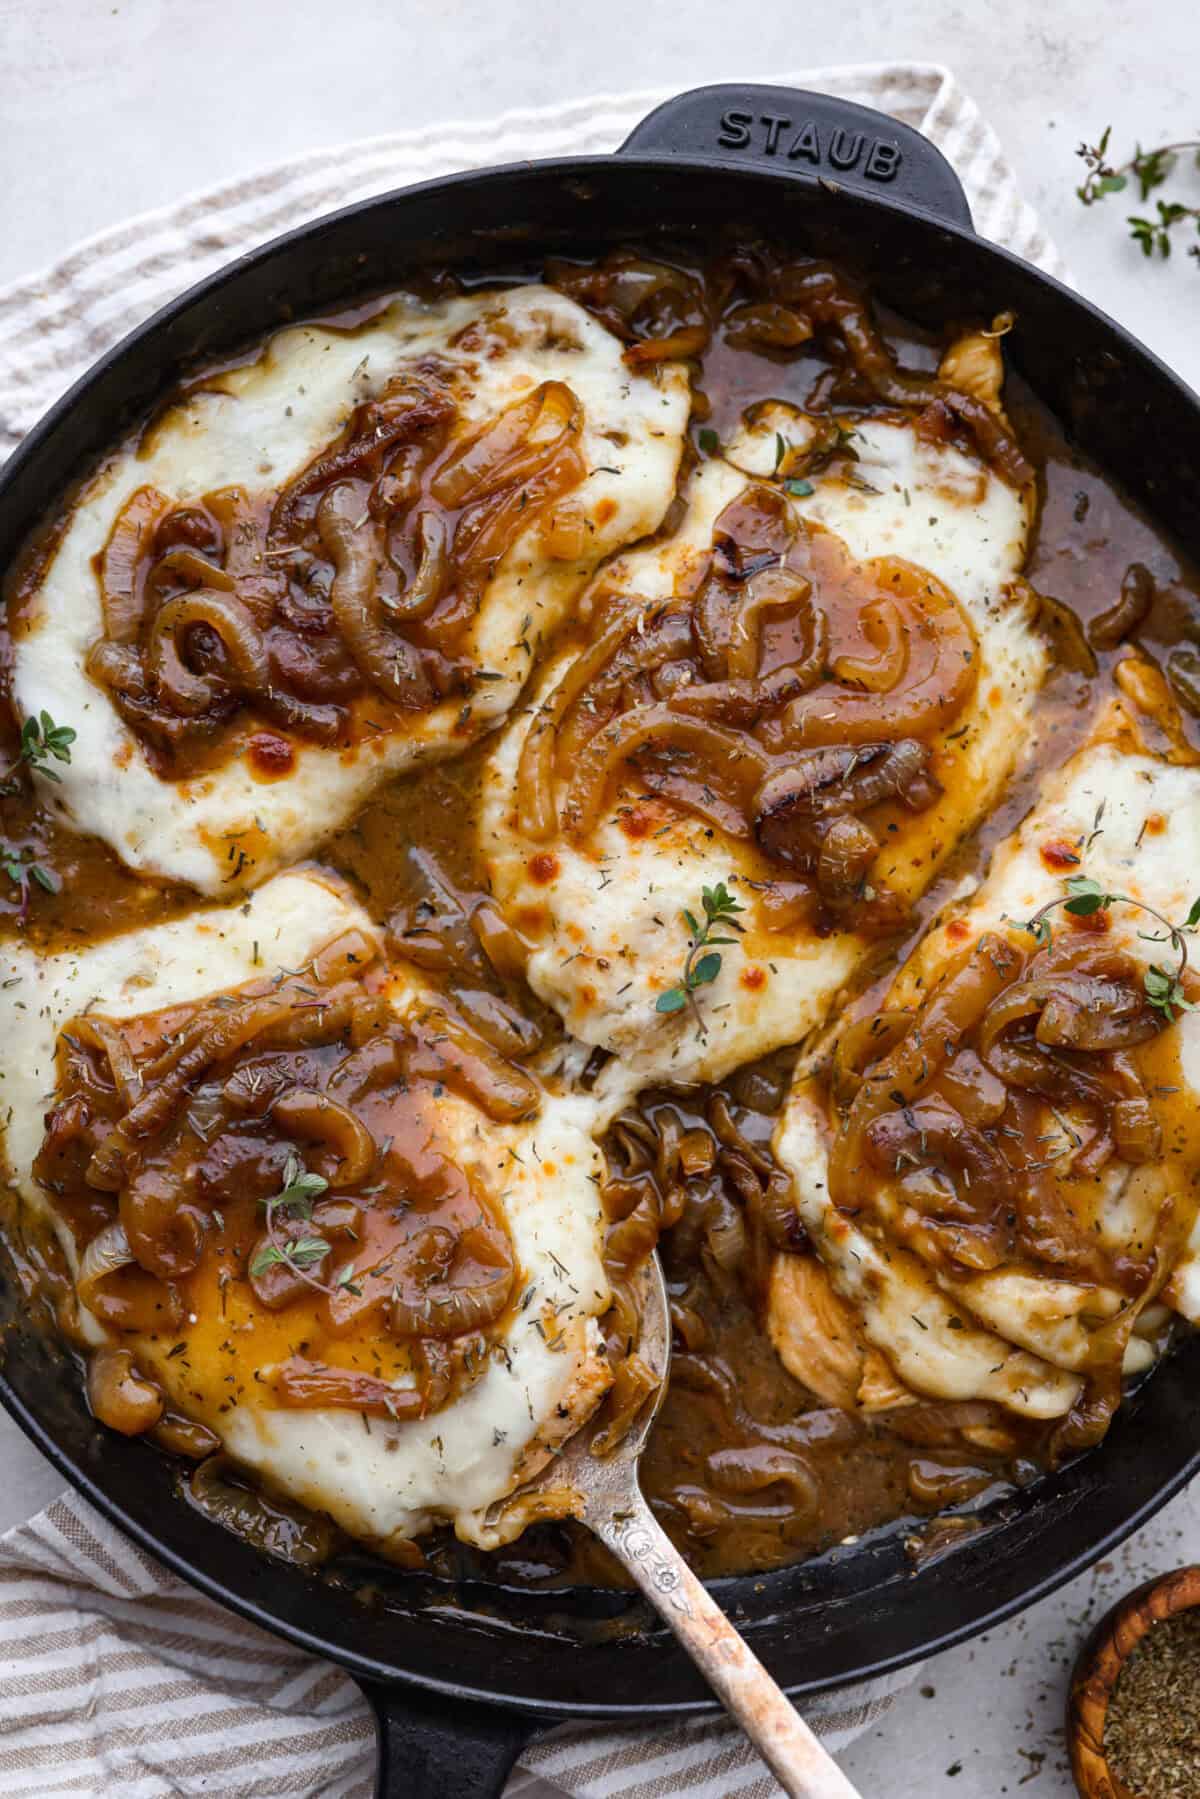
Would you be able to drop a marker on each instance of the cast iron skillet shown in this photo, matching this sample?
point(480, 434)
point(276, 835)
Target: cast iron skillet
point(461, 1674)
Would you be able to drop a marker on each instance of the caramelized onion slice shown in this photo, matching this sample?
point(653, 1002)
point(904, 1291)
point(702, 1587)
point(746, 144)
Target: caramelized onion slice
point(213, 1035)
point(165, 1233)
point(457, 1285)
point(314, 1116)
point(689, 340)
point(416, 413)
point(1075, 1010)
point(103, 1034)
point(931, 1131)
point(488, 527)
point(774, 590)
point(883, 628)
point(432, 572)
point(658, 310)
point(760, 1466)
point(301, 1383)
point(193, 569)
point(933, 1038)
point(537, 809)
point(940, 671)
point(121, 1294)
point(120, 1396)
point(823, 296)
point(735, 757)
point(1065, 626)
point(634, 1384)
point(296, 1536)
point(387, 660)
point(183, 1436)
point(509, 449)
point(442, 1048)
point(848, 848)
point(803, 811)
point(121, 559)
point(766, 322)
point(245, 666)
point(1122, 619)
point(503, 946)
point(1136, 1131)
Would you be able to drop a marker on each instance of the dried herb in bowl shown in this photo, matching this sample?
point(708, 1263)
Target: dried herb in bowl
point(1152, 1731)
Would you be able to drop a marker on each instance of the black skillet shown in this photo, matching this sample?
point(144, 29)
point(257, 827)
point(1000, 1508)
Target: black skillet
point(462, 1674)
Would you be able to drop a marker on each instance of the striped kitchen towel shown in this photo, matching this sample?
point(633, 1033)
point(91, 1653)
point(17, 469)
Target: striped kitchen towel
point(118, 1679)
point(115, 1678)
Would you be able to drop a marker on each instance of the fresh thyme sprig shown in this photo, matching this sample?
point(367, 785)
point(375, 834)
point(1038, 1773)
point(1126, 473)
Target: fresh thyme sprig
point(1150, 169)
point(41, 739)
point(295, 1200)
point(21, 869)
point(1163, 987)
point(719, 907)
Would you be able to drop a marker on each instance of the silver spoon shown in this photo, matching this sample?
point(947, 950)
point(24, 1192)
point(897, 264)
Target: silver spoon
point(610, 1503)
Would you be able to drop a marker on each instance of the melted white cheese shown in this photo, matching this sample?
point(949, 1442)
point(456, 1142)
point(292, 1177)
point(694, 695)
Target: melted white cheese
point(606, 932)
point(258, 426)
point(931, 504)
point(542, 1174)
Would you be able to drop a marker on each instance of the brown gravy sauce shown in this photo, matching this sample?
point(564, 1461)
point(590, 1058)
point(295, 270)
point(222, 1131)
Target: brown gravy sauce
point(731, 1395)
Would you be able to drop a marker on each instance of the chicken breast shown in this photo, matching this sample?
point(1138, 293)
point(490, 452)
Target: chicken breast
point(322, 567)
point(802, 698)
point(353, 1241)
point(1001, 1177)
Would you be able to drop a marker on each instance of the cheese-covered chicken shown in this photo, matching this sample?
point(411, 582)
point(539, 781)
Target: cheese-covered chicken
point(999, 1173)
point(800, 700)
point(309, 1208)
point(323, 566)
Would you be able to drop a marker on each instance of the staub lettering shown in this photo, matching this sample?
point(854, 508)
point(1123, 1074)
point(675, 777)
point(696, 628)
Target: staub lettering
point(773, 134)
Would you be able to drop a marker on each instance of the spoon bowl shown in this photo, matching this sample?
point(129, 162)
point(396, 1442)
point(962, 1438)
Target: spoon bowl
point(609, 1500)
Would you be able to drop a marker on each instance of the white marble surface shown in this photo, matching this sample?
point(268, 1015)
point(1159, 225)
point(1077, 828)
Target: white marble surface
point(109, 109)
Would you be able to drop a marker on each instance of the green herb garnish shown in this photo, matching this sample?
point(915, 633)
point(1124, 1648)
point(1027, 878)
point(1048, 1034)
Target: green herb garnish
point(294, 1200)
point(699, 970)
point(300, 1188)
point(20, 868)
point(1163, 987)
point(1150, 169)
point(299, 1253)
point(41, 739)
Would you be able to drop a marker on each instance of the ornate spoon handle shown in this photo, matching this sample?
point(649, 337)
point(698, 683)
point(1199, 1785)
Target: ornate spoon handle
point(802, 1767)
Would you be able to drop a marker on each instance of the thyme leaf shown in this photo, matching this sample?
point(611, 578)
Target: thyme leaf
point(300, 1253)
point(21, 869)
point(719, 907)
point(41, 741)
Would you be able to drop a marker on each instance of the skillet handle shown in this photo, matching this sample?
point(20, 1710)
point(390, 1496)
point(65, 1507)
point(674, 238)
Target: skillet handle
point(813, 136)
point(434, 1748)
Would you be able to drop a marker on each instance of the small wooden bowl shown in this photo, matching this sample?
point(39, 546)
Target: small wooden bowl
point(1100, 1662)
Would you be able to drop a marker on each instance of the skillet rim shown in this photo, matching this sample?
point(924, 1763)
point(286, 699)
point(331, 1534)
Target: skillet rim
point(364, 1668)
